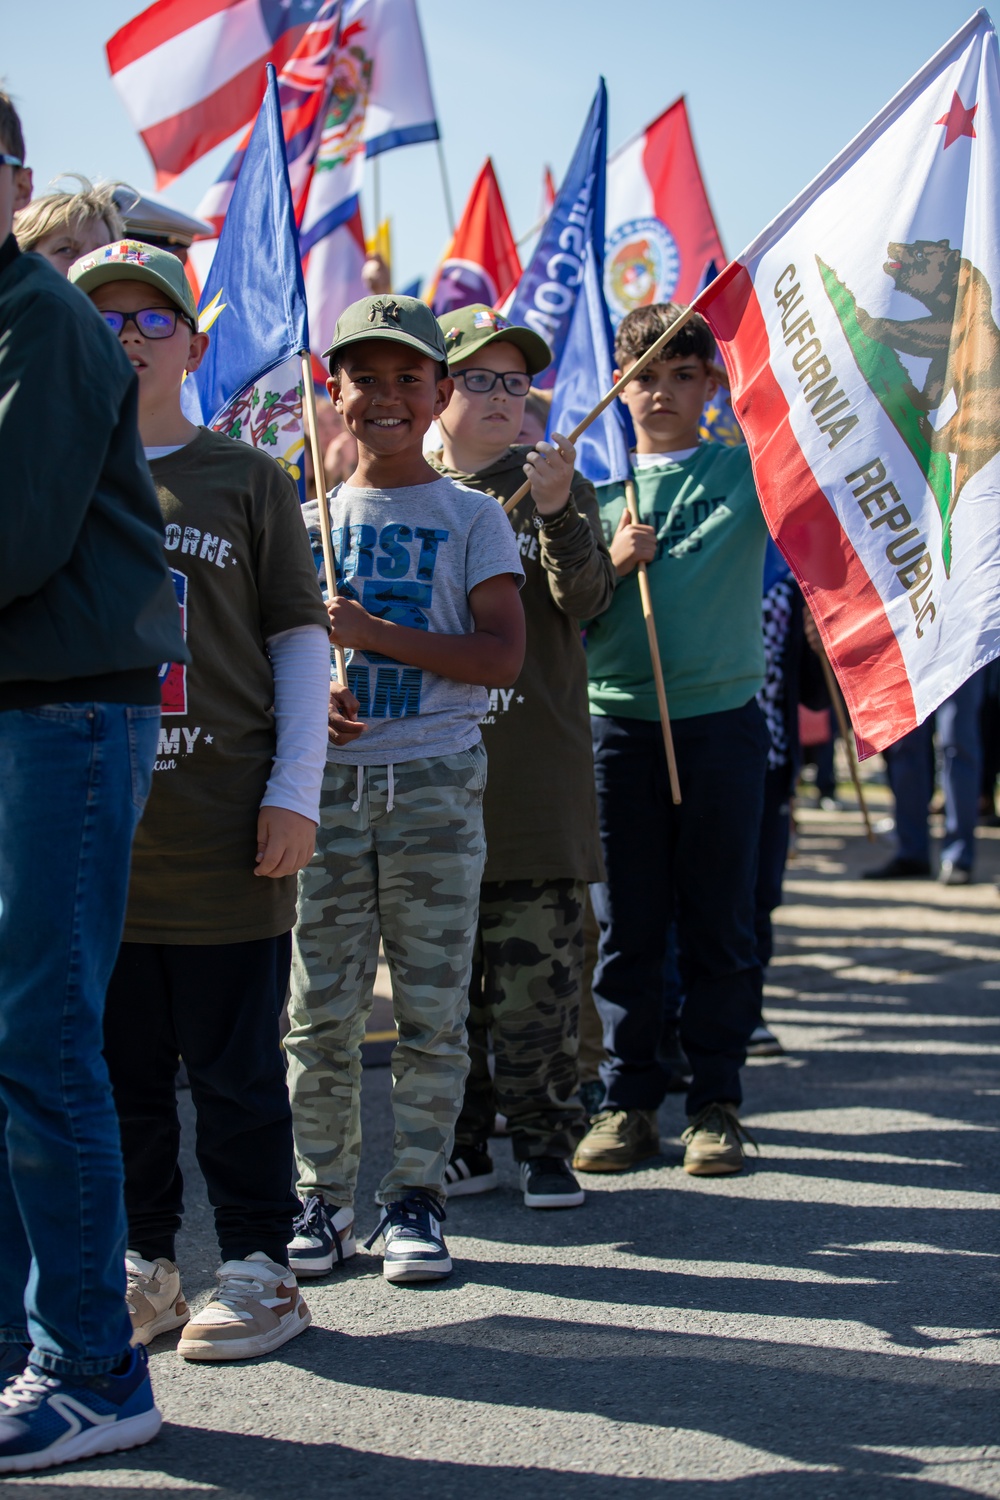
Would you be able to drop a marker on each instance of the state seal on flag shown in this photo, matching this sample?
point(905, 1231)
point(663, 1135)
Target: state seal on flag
point(642, 265)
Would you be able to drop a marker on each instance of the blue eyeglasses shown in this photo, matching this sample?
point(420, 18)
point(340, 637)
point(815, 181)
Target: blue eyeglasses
point(152, 322)
point(10, 161)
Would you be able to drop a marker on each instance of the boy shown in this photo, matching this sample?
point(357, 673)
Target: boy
point(203, 968)
point(87, 614)
point(541, 830)
point(702, 536)
point(427, 603)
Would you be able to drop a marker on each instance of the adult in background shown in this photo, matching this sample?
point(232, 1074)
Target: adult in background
point(87, 614)
point(63, 225)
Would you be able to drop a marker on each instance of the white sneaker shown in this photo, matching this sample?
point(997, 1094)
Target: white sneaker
point(321, 1235)
point(153, 1297)
point(257, 1308)
point(411, 1236)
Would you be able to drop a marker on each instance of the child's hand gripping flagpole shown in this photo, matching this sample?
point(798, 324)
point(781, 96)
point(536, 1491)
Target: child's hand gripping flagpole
point(319, 476)
point(654, 652)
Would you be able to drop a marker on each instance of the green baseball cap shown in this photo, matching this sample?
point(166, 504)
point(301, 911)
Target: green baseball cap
point(402, 320)
point(468, 329)
point(133, 260)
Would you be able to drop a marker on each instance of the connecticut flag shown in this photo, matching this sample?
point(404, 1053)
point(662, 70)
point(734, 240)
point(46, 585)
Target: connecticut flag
point(862, 344)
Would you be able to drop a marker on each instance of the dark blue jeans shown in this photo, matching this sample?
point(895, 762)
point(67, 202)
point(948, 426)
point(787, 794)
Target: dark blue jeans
point(696, 862)
point(910, 763)
point(74, 778)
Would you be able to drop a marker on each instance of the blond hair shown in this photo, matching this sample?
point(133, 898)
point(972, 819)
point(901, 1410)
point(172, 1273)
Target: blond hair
point(58, 212)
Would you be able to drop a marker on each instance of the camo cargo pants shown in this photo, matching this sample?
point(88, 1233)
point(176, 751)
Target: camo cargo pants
point(399, 852)
point(525, 988)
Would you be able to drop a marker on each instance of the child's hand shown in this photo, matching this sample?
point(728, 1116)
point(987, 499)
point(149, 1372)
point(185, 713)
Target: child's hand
point(350, 624)
point(549, 466)
point(342, 718)
point(631, 545)
point(285, 841)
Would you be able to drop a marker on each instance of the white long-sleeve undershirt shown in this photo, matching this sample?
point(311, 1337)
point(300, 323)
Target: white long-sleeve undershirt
point(300, 660)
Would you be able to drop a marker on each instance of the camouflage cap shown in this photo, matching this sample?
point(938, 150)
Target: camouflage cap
point(134, 260)
point(402, 320)
point(467, 330)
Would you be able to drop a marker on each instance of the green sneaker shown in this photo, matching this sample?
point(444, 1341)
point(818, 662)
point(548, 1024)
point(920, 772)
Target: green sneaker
point(618, 1139)
point(714, 1141)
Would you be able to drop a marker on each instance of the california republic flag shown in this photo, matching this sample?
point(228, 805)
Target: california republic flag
point(863, 349)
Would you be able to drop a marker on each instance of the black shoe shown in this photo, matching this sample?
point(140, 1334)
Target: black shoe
point(469, 1171)
point(764, 1043)
point(547, 1182)
point(592, 1096)
point(900, 868)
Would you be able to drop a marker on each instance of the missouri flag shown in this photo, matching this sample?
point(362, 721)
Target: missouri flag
point(864, 354)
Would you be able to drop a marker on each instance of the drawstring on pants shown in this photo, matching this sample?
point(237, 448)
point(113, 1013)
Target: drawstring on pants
point(356, 807)
point(390, 800)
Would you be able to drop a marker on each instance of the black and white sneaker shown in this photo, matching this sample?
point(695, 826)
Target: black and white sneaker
point(414, 1246)
point(321, 1235)
point(764, 1043)
point(547, 1182)
point(470, 1171)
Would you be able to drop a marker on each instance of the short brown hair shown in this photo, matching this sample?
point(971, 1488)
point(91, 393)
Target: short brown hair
point(11, 133)
point(640, 329)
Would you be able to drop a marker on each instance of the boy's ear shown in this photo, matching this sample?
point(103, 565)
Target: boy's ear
point(445, 389)
point(623, 395)
point(333, 390)
point(196, 353)
point(24, 187)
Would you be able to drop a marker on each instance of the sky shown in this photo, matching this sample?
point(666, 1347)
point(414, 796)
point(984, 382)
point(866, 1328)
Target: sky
point(774, 89)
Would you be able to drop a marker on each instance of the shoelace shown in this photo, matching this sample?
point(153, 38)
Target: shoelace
point(235, 1287)
point(310, 1219)
point(406, 1214)
point(724, 1121)
point(28, 1390)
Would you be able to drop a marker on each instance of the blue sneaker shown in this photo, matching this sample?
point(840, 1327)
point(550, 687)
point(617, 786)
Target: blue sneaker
point(51, 1419)
point(321, 1234)
point(411, 1235)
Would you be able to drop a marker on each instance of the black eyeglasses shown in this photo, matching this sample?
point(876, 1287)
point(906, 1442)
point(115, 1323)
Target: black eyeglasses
point(483, 381)
point(10, 161)
point(152, 322)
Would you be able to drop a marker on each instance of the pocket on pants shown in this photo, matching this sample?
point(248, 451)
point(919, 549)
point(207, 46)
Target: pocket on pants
point(476, 759)
point(143, 736)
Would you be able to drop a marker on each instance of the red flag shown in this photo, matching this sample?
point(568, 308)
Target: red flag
point(661, 233)
point(548, 192)
point(482, 264)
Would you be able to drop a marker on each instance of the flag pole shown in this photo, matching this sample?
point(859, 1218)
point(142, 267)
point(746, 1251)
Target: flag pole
point(319, 477)
point(644, 359)
point(654, 652)
point(847, 735)
point(445, 187)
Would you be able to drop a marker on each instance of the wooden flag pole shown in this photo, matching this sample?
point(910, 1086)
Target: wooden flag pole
point(847, 735)
point(644, 359)
point(319, 477)
point(654, 652)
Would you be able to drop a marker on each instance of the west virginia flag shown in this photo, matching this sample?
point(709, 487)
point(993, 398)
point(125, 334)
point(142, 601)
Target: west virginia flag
point(863, 348)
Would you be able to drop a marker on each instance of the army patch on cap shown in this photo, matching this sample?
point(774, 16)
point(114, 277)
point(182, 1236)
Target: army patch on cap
point(452, 334)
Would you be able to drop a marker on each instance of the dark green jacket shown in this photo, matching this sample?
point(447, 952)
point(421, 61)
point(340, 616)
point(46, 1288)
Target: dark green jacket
point(85, 591)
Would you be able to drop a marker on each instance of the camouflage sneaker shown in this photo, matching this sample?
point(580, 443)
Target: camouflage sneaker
point(714, 1141)
point(618, 1139)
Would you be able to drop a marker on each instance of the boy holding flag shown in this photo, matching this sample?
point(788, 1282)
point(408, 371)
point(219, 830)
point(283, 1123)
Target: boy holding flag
point(702, 537)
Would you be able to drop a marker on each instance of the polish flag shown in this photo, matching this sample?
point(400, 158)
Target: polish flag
point(860, 334)
point(660, 230)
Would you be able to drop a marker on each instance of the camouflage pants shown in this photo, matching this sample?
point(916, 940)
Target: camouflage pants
point(406, 868)
point(526, 990)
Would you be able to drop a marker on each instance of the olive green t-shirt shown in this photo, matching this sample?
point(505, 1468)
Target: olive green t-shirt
point(705, 582)
point(242, 569)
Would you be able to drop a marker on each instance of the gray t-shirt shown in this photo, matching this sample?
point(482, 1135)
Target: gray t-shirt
point(413, 555)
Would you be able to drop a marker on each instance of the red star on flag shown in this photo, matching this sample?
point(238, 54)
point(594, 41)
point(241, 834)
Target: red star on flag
point(958, 121)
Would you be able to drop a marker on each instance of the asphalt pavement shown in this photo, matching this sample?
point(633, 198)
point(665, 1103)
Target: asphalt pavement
point(825, 1325)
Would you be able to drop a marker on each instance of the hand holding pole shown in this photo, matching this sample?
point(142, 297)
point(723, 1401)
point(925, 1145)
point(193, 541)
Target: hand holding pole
point(654, 652)
point(319, 476)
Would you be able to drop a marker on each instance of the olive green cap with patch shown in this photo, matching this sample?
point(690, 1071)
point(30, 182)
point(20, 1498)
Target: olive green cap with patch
point(134, 260)
point(401, 320)
point(467, 330)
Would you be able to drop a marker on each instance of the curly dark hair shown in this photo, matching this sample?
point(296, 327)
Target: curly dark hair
point(11, 134)
point(640, 329)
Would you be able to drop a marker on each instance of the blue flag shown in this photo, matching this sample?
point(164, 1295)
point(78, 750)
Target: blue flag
point(549, 289)
point(583, 377)
point(249, 385)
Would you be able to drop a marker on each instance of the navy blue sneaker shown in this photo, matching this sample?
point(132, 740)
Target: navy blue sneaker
point(51, 1419)
point(411, 1235)
point(321, 1235)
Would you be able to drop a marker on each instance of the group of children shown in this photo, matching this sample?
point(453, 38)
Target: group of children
point(482, 768)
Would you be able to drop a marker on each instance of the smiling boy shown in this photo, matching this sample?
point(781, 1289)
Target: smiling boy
point(427, 606)
point(203, 967)
point(702, 536)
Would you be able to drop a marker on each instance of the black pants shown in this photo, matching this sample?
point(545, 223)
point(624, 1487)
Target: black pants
point(775, 830)
point(697, 862)
point(218, 1007)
